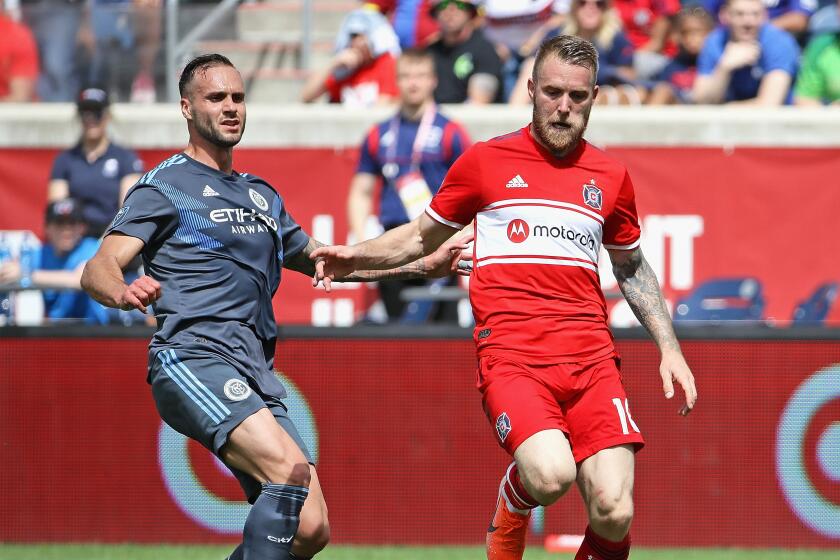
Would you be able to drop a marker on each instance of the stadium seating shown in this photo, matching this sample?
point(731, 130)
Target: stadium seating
point(722, 299)
point(815, 309)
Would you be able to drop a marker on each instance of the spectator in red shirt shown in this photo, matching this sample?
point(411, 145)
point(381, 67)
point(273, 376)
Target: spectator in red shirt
point(647, 24)
point(363, 71)
point(18, 61)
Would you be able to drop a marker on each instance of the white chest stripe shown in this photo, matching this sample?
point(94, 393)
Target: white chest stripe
point(540, 202)
point(536, 232)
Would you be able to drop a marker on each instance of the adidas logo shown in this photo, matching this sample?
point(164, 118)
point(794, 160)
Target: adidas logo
point(517, 183)
point(208, 191)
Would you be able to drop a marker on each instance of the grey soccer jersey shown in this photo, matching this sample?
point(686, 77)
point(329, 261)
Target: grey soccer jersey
point(216, 243)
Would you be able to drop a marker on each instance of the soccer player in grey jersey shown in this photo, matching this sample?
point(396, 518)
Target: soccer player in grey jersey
point(213, 242)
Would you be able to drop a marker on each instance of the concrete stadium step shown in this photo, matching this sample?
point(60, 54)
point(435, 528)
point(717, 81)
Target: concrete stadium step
point(274, 86)
point(267, 54)
point(284, 20)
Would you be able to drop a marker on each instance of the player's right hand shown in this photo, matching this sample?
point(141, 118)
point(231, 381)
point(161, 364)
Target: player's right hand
point(140, 293)
point(331, 263)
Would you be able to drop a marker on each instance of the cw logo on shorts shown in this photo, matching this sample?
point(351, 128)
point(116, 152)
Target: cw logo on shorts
point(518, 230)
point(800, 487)
point(237, 390)
point(503, 426)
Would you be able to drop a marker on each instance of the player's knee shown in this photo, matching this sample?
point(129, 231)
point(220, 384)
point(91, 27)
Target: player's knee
point(549, 481)
point(281, 469)
point(611, 510)
point(313, 535)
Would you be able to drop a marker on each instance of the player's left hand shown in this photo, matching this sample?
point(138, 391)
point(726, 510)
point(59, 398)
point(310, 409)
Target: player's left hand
point(444, 261)
point(673, 368)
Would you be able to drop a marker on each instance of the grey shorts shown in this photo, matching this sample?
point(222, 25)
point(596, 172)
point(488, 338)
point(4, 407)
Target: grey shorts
point(202, 396)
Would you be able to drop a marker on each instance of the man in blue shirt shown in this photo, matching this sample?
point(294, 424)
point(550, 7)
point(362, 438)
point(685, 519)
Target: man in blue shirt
point(410, 153)
point(213, 242)
point(747, 61)
point(57, 267)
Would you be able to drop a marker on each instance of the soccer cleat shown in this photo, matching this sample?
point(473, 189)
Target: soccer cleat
point(507, 531)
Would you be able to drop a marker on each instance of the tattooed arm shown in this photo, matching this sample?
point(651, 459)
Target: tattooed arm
point(641, 290)
point(436, 265)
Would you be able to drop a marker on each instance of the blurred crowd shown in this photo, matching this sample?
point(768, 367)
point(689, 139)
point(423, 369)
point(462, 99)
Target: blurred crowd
point(654, 52)
point(407, 54)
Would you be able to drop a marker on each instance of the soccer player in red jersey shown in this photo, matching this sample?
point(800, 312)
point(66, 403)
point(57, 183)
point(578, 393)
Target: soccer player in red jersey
point(544, 201)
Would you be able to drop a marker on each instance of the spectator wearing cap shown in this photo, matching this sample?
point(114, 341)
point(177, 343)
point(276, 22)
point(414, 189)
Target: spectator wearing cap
point(18, 61)
point(57, 266)
point(468, 68)
point(748, 61)
point(96, 171)
point(363, 71)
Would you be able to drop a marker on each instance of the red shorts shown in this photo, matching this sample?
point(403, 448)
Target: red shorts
point(586, 401)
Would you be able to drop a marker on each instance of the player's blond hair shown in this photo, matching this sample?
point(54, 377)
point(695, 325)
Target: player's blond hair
point(570, 50)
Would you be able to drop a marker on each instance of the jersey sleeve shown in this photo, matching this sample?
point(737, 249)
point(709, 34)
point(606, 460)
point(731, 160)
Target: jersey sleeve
point(60, 169)
point(293, 236)
point(130, 163)
point(709, 55)
point(455, 141)
point(459, 197)
point(780, 53)
point(146, 214)
point(367, 159)
point(487, 61)
point(621, 228)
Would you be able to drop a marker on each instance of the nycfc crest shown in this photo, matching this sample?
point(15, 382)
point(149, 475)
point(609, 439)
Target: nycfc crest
point(592, 195)
point(258, 199)
point(237, 390)
point(503, 426)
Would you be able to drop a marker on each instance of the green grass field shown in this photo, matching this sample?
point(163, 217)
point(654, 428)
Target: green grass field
point(134, 552)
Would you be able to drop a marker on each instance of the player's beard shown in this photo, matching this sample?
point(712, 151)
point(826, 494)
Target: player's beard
point(207, 129)
point(560, 140)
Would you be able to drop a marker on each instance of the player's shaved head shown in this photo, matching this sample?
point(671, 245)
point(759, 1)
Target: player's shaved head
point(200, 65)
point(570, 50)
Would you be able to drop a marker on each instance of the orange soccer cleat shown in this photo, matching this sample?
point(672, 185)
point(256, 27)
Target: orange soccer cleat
point(506, 533)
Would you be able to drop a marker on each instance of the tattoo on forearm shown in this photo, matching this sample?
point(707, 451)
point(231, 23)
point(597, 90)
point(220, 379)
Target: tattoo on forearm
point(641, 290)
point(305, 265)
point(301, 261)
point(416, 269)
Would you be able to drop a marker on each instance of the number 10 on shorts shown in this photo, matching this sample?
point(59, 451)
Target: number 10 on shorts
point(624, 415)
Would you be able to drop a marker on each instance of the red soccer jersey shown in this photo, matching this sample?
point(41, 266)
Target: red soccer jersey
point(539, 225)
point(364, 87)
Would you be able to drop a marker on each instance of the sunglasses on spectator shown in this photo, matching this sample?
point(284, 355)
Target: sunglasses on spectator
point(92, 114)
point(458, 4)
point(601, 4)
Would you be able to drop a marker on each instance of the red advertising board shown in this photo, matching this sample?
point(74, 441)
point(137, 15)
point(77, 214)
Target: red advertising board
point(706, 213)
point(404, 452)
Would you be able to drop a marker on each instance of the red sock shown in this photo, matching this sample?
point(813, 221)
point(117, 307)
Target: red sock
point(595, 547)
point(515, 492)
